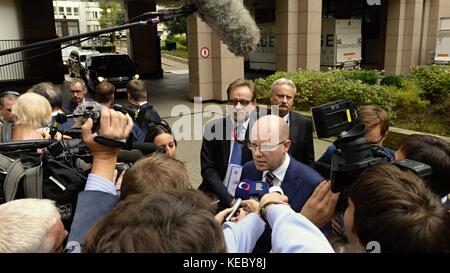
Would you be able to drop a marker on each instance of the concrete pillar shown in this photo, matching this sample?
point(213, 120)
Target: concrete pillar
point(309, 31)
point(200, 69)
point(412, 34)
point(286, 29)
point(38, 25)
point(212, 69)
point(144, 41)
point(394, 37)
point(298, 29)
point(226, 68)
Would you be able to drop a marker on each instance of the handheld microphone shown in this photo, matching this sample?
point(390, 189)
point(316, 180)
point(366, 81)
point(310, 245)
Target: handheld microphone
point(236, 205)
point(232, 22)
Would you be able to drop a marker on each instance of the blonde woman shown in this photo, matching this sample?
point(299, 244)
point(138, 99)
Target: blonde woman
point(33, 112)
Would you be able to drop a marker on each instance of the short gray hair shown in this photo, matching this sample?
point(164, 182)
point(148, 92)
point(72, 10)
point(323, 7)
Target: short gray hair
point(80, 81)
point(25, 224)
point(281, 81)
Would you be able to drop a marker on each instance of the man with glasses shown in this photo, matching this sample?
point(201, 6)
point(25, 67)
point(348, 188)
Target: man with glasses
point(78, 90)
point(7, 100)
point(270, 143)
point(224, 140)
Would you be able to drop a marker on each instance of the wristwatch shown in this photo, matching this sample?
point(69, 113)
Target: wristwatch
point(262, 210)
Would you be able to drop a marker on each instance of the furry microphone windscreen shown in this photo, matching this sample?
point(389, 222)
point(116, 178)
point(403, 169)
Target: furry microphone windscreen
point(232, 22)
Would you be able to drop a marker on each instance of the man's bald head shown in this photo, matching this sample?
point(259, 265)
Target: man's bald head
point(269, 142)
point(272, 127)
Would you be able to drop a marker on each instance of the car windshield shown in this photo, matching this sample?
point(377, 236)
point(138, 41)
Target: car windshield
point(108, 66)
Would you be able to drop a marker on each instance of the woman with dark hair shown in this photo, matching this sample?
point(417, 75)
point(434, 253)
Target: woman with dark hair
point(161, 135)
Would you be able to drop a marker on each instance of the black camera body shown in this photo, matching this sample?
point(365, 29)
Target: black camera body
point(354, 152)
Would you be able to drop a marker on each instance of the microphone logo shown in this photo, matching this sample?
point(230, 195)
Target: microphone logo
point(245, 186)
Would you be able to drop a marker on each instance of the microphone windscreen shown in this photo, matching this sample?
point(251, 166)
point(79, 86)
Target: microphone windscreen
point(145, 147)
point(129, 156)
point(243, 190)
point(259, 188)
point(232, 22)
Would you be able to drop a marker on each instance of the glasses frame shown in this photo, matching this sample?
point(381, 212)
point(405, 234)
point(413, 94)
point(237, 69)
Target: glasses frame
point(244, 103)
point(270, 147)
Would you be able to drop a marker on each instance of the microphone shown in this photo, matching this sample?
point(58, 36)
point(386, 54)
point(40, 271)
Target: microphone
point(248, 189)
point(236, 205)
point(145, 147)
point(129, 156)
point(232, 22)
point(25, 145)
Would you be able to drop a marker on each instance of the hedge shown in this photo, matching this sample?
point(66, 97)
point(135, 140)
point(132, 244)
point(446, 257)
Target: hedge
point(420, 101)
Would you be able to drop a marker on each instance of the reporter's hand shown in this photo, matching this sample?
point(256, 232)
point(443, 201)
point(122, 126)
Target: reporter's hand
point(321, 206)
point(220, 217)
point(273, 197)
point(250, 205)
point(114, 125)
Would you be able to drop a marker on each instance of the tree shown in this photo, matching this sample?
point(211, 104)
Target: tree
point(112, 14)
point(176, 26)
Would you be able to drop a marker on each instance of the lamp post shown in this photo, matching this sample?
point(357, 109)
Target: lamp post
point(113, 34)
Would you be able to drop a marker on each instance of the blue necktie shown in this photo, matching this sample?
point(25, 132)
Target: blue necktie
point(236, 153)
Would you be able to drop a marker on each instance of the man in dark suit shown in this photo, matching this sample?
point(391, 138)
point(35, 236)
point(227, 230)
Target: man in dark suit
point(223, 141)
point(269, 142)
point(300, 127)
point(137, 99)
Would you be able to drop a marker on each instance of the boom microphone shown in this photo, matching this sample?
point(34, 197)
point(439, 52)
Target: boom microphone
point(232, 22)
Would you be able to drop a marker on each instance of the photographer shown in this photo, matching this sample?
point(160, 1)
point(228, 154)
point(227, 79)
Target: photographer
point(376, 121)
point(99, 196)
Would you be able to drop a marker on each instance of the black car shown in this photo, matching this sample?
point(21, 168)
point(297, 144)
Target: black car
point(116, 68)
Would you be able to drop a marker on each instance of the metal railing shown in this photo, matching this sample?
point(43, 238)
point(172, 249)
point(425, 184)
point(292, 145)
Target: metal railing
point(13, 71)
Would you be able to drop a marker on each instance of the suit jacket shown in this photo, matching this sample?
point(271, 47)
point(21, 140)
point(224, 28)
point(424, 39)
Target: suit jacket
point(298, 184)
point(91, 207)
point(300, 134)
point(215, 154)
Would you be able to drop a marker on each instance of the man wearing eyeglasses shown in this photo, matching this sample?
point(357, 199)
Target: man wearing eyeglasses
point(224, 140)
point(78, 90)
point(7, 100)
point(270, 143)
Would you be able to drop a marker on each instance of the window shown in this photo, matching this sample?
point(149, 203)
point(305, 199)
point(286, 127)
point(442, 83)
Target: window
point(61, 10)
point(76, 11)
point(95, 15)
point(69, 10)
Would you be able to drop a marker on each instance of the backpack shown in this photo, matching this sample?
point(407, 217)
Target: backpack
point(41, 176)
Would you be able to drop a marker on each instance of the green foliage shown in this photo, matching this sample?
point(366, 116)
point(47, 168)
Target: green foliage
point(315, 88)
point(370, 77)
point(392, 80)
point(115, 16)
point(176, 26)
point(433, 79)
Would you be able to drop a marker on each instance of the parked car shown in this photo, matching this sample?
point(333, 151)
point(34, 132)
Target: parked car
point(77, 61)
point(65, 52)
point(116, 68)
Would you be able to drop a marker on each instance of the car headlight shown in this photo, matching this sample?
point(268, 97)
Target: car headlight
point(136, 77)
point(100, 79)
